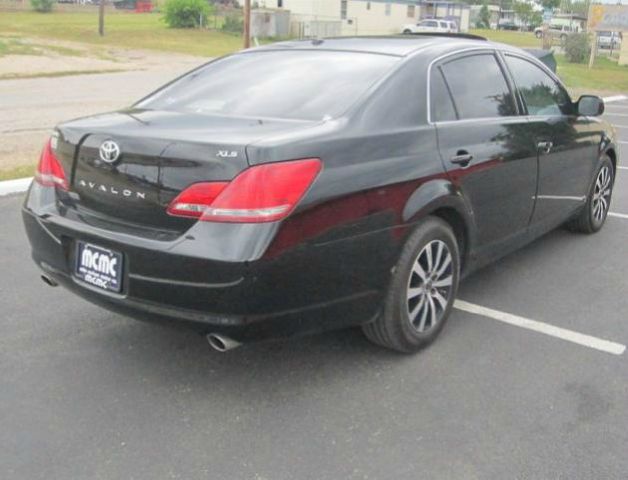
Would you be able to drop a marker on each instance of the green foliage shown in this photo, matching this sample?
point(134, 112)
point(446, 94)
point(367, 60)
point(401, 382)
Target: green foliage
point(485, 17)
point(536, 19)
point(524, 11)
point(233, 24)
point(550, 4)
point(577, 47)
point(43, 6)
point(186, 13)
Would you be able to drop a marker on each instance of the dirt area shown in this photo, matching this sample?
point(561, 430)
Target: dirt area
point(40, 58)
point(31, 106)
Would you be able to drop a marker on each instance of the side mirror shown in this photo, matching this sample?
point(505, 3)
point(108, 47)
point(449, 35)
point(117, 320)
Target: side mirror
point(590, 106)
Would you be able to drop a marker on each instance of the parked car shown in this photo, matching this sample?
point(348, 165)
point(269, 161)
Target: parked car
point(435, 25)
point(507, 25)
point(556, 32)
point(611, 40)
point(354, 181)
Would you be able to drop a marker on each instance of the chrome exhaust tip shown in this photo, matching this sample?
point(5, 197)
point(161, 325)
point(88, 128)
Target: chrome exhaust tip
point(49, 281)
point(222, 343)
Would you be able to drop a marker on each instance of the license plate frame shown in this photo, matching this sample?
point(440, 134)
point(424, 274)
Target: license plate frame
point(99, 267)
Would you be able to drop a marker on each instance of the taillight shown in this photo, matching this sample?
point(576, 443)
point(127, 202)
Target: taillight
point(263, 193)
point(49, 171)
point(194, 200)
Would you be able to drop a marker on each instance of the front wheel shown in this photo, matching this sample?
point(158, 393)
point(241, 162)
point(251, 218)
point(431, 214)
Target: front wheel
point(407, 32)
point(593, 215)
point(422, 289)
point(539, 34)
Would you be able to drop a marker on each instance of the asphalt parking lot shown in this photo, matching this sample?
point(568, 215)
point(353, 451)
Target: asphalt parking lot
point(85, 393)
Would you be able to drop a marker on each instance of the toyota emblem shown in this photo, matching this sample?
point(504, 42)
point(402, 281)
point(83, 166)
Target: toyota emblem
point(109, 151)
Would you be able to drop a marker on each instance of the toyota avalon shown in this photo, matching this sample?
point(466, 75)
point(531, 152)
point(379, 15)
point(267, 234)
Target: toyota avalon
point(313, 185)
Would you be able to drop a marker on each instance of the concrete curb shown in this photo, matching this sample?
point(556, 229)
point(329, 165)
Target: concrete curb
point(615, 98)
point(15, 186)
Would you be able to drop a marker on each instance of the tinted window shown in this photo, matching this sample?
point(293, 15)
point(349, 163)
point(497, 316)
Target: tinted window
point(305, 85)
point(541, 94)
point(478, 87)
point(442, 109)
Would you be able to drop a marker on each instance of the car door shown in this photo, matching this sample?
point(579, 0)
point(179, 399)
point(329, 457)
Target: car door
point(567, 144)
point(484, 143)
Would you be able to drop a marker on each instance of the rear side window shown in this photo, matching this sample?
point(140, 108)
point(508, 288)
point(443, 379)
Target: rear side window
point(478, 87)
point(302, 85)
point(541, 93)
point(441, 106)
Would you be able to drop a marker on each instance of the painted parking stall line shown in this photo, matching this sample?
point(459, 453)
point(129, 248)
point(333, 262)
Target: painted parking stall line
point(541, 327)
point(618, 215)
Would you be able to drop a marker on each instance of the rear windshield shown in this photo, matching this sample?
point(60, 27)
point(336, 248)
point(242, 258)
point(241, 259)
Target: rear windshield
point(303, 85)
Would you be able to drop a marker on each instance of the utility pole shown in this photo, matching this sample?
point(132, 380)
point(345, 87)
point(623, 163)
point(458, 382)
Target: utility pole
point(247, 23)
point(101, 18)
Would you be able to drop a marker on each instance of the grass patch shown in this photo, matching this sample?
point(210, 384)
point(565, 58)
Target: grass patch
point(517, 39)
point(606, 74)
point(17, 172)
point(122, 29)
point(12, 46)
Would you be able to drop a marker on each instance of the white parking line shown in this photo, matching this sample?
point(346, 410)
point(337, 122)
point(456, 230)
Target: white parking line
point(612, 114)
point(551, 330)
point(617, 215)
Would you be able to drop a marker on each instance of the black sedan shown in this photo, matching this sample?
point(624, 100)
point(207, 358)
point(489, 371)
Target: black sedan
point(313, 185)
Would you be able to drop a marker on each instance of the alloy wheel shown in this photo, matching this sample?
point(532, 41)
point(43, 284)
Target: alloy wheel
point(430, 286)
point(601, 194)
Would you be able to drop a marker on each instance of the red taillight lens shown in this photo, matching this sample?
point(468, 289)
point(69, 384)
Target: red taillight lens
point(49, 171)
point(195, 199)
point(263, 193)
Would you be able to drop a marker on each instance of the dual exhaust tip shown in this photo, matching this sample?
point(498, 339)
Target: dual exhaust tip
point(216, 341)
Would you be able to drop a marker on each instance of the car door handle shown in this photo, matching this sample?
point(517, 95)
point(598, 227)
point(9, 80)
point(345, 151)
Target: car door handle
point(461, 158)
point(544, 147)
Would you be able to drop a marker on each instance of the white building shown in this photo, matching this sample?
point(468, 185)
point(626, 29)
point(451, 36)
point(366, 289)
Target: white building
point(367, 17)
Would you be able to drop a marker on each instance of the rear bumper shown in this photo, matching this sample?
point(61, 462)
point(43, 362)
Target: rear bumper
point(310, 288)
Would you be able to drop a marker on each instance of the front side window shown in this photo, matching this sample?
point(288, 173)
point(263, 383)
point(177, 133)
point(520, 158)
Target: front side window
point(541, 93)
point(411, 11)
point(478, 87)
point(302, 85)
point(387, 10)
point(343, 9)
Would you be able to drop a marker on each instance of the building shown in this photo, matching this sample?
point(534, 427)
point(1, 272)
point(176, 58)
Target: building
point(366, 17)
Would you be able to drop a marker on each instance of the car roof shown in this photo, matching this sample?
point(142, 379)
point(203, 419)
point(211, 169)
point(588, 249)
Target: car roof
point(401, 45)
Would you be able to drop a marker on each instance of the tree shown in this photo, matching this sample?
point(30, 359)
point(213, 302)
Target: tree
point(485, 16)
point(550, 4)
point(524, 11)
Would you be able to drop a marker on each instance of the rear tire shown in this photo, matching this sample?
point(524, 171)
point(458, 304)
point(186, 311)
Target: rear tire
point(593, 215)
point(421, 291)
point(407, 32)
